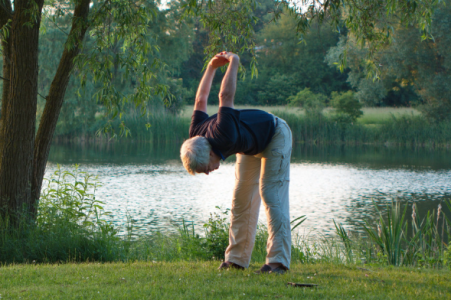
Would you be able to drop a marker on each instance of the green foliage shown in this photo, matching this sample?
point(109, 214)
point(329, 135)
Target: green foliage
point(230, 24)
point(392, 242)
point(69, 226)
point(371, 26)
point(277, 89)
point(427, 242)
point(346, 104)
point(113, 76)
point(217, 234)
point(411, 70)
point(297, 222)
point(70, 196)
point(312, 103)
point(285, 65)
point(389, 234)
point(347, 242)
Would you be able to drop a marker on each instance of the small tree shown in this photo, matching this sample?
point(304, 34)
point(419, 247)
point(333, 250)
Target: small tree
point(346, 105)
point(311, 102)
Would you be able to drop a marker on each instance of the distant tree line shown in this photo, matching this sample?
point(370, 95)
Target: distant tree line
point(413, 72)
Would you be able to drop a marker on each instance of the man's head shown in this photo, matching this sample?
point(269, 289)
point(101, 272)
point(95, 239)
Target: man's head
point(198, 157)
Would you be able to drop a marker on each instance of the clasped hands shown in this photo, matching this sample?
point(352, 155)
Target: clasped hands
point(223, 58)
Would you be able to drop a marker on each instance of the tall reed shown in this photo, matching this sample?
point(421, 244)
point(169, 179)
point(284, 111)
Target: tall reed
point(392, 242)
point(409, 130)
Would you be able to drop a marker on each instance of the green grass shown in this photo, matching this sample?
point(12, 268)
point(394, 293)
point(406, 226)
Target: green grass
point(371, 115)
point(381, 115)
point(212, 109)
point(202, 280)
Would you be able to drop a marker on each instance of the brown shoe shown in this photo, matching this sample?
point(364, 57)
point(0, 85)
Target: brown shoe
point(267, 270)
point(264, 270)
point(230, 265)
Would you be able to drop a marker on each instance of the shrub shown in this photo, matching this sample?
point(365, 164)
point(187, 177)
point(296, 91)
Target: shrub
point(217, 234)
point(347, 107)
point(311, 102)
point(69, 225)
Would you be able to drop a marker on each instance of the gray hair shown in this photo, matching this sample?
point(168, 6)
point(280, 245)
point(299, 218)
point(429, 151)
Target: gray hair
point(195, 152)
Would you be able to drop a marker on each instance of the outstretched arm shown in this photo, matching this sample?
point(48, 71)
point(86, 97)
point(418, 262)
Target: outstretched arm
point(203, 91)
point(228, 85)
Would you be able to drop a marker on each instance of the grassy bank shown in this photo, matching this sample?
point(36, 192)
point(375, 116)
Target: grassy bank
point(72, 227)
point(201, 280)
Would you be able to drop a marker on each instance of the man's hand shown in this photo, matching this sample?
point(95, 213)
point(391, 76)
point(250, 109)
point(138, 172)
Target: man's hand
point(223, 58)
point(228, 85)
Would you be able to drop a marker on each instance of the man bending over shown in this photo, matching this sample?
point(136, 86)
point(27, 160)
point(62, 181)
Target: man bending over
point(262, 144)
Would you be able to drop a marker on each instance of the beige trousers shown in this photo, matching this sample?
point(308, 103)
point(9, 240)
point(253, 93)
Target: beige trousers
point(263, 176)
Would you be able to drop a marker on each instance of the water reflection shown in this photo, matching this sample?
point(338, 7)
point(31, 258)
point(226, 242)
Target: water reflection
point(148, 183)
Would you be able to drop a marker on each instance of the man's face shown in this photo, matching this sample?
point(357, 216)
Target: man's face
point(213, 164)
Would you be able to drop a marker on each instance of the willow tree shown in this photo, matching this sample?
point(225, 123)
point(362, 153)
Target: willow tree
point(23, 152)
point(118, 31)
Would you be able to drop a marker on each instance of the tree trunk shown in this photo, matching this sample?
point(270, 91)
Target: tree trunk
point(20, 119)
point(5, 16)
point(56, 96)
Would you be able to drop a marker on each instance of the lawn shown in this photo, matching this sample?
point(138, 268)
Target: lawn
point(212, 109)
point(202, 280)
point(371, 115)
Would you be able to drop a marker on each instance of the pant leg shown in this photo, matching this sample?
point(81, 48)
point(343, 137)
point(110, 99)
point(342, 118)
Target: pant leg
point(274, 187)
point(245, 209)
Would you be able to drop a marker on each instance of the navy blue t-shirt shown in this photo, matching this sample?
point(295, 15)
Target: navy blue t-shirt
point(232, 131)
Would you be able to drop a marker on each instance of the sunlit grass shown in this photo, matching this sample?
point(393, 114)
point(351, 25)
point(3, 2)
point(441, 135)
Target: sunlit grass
point(371, 115)
point(380, 115)
point(212, 109)
point(202, 280)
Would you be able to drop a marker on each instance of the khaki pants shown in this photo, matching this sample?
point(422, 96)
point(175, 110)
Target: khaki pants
point(263, 176)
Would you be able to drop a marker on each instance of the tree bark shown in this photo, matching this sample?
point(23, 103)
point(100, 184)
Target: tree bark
point(5, 16)
point(56, 96)
point(19, 121)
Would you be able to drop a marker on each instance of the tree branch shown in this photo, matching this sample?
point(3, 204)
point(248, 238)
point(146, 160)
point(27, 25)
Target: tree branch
point(57, 27)
point(55, 99)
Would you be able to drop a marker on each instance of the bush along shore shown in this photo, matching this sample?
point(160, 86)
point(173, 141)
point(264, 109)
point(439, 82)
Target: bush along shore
point(403, 130)
point(71, 227)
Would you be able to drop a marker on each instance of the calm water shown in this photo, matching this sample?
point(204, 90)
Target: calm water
point(150, 184)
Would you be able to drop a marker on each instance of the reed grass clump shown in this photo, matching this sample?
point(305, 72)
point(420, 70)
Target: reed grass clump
point(392, 241)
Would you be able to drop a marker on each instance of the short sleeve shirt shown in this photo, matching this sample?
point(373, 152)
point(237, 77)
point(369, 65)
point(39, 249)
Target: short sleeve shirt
point(232, 131)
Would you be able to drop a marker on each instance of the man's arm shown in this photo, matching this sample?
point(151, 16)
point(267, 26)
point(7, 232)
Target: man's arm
point(228, 85)
point(203, 91)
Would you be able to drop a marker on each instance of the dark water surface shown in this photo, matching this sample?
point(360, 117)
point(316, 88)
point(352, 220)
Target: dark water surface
point(149, 183)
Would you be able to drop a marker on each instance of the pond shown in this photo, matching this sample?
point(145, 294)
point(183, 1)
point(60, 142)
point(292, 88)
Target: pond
point(148, 183)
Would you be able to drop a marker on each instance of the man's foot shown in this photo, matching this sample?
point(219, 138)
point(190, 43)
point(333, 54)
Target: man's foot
point(267, 269)
point(227, 265)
